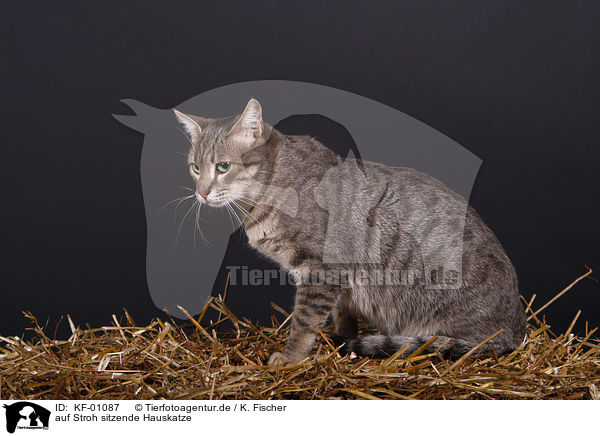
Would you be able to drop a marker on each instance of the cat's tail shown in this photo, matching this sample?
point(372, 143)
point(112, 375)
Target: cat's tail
point(380, 346)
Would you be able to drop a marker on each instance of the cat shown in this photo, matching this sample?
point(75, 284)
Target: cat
point(359, 217)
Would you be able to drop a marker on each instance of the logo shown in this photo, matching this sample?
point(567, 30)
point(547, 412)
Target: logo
point(351, 192)
point(26, 415)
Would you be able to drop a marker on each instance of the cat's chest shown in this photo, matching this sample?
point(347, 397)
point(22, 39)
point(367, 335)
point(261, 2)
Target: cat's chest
point(265, 238)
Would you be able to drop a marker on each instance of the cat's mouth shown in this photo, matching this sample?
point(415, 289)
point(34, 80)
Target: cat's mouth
point(218, 201)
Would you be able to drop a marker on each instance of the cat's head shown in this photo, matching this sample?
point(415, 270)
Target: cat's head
point(217, 159)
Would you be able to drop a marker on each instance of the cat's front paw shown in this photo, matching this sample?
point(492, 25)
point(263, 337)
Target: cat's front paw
point(278, 358)
point(285, 358)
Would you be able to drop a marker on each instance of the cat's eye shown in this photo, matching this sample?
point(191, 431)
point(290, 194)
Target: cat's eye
point(195, 168)
point(223, 167)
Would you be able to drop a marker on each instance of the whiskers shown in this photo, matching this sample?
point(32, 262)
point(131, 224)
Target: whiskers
point(197, 226)
point(234, 216)
point(178, 200)
point(242, 202)
point(239, 207)
point(193, 211)
point(244, 212)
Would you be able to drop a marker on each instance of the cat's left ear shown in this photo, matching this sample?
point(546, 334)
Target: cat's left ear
point(249, 127)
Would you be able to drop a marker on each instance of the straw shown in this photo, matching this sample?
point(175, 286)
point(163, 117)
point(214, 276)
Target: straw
point(169, 360)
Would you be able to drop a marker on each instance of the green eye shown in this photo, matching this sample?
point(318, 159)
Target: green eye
point(195, 168)
point(223, 167)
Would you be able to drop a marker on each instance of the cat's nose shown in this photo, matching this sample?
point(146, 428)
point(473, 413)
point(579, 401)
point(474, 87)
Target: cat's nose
point(203, 194)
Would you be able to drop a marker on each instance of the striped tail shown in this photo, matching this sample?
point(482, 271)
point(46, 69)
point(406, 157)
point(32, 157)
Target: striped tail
point(380, 346)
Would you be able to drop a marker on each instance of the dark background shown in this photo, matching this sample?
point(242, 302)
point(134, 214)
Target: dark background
point(514, 82)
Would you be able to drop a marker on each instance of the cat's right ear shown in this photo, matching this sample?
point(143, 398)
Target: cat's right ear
point(191, 127)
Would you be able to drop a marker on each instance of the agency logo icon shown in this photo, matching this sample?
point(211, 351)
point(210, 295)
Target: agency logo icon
point(24, 415)
point(181, 272)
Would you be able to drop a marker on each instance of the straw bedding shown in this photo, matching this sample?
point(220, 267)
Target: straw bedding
point(169, 360)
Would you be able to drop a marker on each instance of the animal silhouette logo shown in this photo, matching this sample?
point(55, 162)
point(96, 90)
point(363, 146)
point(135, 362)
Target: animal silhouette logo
point(26, 415)
point(181, 273)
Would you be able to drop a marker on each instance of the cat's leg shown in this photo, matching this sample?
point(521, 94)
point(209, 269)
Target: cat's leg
point(314, 303)
point(345, 324)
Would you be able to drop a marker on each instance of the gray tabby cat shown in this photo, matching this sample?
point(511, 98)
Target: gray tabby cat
point(365, 216)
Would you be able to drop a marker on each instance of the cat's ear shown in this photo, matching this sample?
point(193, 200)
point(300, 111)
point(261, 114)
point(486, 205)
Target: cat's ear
point(249, 127)
point(191, 126)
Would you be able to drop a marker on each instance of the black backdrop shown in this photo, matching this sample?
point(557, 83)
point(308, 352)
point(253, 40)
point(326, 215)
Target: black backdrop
point(514, 82)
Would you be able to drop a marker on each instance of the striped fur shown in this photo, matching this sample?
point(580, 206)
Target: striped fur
point(381, 346)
